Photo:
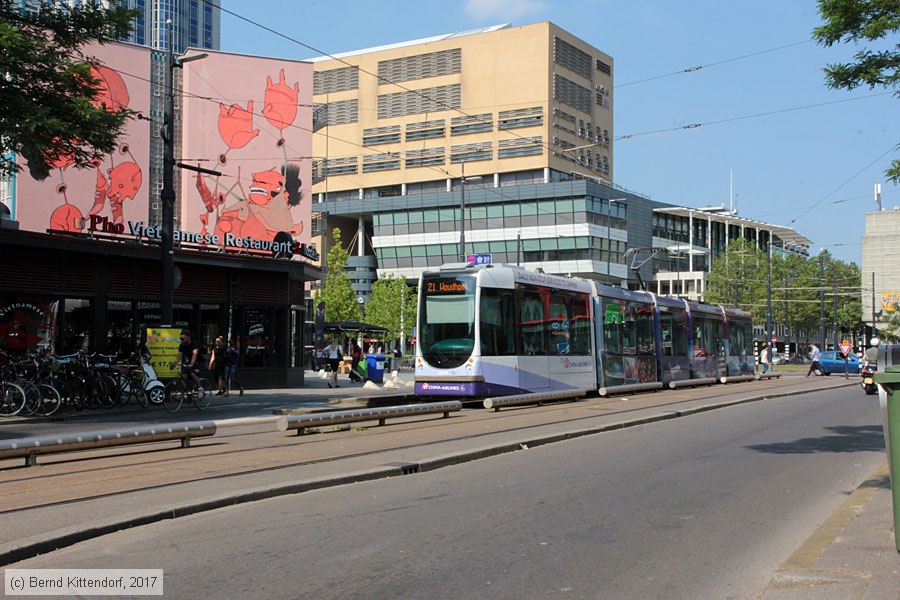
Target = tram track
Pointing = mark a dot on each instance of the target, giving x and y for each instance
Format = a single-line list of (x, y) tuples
[(416, 433)]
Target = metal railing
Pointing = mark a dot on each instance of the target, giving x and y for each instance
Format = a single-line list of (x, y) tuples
[(29, 448), (629, 388), (338, 417), (533, 398), (769, 375), (692, 382), (736, 378)]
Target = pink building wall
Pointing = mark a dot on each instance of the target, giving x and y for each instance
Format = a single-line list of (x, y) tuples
[(249, 118), (117, 187)]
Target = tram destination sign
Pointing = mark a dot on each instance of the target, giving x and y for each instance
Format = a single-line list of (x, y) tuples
[(446, 286)]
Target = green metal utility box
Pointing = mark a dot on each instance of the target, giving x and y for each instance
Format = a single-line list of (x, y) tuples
[(888, 378)]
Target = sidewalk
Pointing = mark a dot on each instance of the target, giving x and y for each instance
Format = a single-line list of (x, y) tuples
[(852, 555)]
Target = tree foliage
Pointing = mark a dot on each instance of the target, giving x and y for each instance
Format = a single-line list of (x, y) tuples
[(338, 295), (738, 277), (52, 108), (860, 21), (393, 305)]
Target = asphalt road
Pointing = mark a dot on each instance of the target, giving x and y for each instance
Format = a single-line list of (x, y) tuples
[(700, 507)]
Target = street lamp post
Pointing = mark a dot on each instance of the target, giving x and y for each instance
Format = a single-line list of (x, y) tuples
[(167, 194)]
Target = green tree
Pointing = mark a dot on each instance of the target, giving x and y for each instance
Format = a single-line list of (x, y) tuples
[(890, 325), (51, 102), (737, 276), (863, 21), (393, 305), (338, 295)]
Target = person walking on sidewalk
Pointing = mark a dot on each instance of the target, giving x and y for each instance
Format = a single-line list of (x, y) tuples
[(334, 354), (232, 358), (764, 358), (217, 364), (356, 355), (814, 355)]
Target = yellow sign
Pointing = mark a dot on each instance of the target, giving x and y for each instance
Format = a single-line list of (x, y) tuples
[(162, 343), (889, 301)]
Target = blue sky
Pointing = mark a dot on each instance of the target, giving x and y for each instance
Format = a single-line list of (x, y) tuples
[(801, 155)]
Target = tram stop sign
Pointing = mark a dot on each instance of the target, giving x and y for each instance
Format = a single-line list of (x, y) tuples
[(845, 347)]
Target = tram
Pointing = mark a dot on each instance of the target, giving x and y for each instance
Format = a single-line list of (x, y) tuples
[(496, 330)]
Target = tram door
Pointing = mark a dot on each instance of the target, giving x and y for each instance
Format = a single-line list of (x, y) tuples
[(533, 340)]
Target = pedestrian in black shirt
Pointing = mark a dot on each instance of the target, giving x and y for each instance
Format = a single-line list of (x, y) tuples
[(217, 365)]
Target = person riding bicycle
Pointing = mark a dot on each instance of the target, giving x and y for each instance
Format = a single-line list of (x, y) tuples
[(188, 352)]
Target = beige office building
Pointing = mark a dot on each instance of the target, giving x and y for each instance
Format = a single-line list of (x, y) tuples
[(515, 124), (880, 260)]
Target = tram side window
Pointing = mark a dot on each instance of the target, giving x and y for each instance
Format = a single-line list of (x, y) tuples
[(709, 337), (719, 336), (581, 326), (531, 324), (612, 328), (679, 339), (629, 331), (568, 325), (497, 324), (644, 327)]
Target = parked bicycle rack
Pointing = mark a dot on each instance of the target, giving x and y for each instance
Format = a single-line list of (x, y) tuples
[(29, 448), (337, 417)]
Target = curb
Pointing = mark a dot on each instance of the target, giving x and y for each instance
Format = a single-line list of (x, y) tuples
[(31, 547)]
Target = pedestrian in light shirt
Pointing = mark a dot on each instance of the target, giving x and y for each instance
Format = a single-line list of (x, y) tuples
[(814, 356)]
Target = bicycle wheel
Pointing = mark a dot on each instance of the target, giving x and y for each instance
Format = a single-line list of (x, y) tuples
[(174, 397), (32, 397), (112, 394), (50, 400), (66, 396), (12, 399), (120, 387), (136, 388), (202, 395)]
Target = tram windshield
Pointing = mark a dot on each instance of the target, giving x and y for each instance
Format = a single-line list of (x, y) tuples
[(447, 319)]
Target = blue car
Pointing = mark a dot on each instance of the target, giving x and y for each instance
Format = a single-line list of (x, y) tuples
[(833, 362)]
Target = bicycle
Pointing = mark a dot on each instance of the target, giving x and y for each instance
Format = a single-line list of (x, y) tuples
[(12, 399), (180, 390)]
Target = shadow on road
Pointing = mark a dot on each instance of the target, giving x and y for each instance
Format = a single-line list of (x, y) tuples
[(863, 438)]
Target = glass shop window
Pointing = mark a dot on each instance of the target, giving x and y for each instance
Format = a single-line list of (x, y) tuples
[(258, 338)]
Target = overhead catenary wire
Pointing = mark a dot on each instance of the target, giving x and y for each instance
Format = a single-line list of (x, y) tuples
[(712, 64)]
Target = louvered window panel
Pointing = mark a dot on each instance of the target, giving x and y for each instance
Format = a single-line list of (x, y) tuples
[(520, 147), (337, 113), (335, 80), (471, 124), (603, 67), (381, 135), (424, 130), (471, 152), (569, 92), (340, 166), (434, 99), (426, 157), (570, 57), (386, 161), (421, 66), (523, 117)]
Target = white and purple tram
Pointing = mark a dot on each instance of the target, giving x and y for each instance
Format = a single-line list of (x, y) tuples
[(494, 330)]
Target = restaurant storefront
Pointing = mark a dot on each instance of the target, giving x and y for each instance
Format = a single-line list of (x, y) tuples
[(66, 293)]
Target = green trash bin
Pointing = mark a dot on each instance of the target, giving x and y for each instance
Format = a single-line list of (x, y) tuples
[(888, 378)]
